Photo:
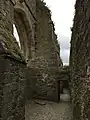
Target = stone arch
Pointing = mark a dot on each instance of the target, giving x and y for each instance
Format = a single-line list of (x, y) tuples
[(24, 28)]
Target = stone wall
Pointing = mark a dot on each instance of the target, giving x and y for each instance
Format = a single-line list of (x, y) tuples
[(45, 38), (31, 79), (17, 85), (6, 15), (80, 61), (12, 89), (64, 73), (47, 59), (46, 84), (29, 71), (15, 79)]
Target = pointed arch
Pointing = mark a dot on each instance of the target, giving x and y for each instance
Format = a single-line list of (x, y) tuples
[(24, 28)]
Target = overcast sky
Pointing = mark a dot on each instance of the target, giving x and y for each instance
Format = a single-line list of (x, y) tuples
[(62, 15)]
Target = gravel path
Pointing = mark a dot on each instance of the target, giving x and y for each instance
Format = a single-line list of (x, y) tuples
[(45, 110)]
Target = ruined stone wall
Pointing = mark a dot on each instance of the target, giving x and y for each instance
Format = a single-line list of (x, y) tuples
[(47, 45), (14, 78), (12, 89), (80, 61), (45, 41), (17, 85), (5, 10), (64, 73), (29, 71), (47, 54)]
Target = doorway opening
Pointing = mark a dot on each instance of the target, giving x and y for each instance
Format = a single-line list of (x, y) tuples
[(63, 90), (58, 90)]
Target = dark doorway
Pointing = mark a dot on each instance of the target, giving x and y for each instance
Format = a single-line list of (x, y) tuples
[(66, 85), (62, 88), (58, 90)]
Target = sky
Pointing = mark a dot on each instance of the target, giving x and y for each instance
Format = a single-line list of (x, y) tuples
[(62, 16)]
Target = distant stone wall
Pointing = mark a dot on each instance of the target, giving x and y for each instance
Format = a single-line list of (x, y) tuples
[(80, 61), (46, 84), (64, 73)]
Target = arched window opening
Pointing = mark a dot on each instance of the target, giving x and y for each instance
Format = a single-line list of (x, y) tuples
[(16, 35), (24, 32)]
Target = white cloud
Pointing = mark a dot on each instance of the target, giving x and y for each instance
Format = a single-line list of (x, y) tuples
[(64, 42), (62, 15), (65, 55), (65, 48)]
